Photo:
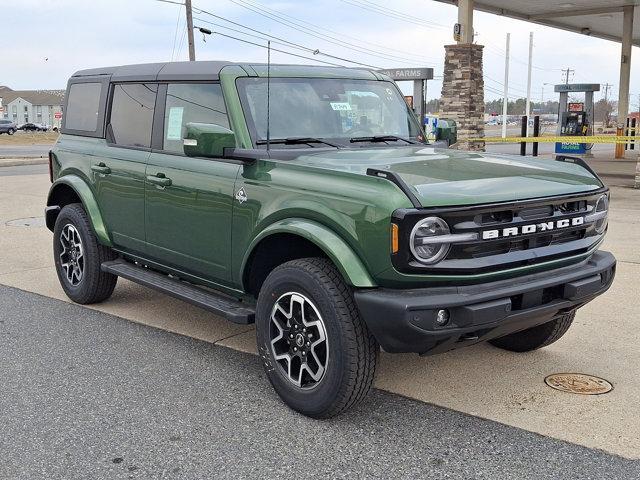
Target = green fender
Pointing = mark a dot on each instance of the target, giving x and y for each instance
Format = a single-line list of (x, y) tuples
[(88, 201), (343, 257)]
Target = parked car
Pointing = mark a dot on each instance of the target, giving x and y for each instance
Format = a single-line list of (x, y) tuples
[(307, 201), (7, 126), (32, 127)]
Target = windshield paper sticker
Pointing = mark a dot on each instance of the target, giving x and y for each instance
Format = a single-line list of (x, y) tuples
[(341, 106), (174, 128)]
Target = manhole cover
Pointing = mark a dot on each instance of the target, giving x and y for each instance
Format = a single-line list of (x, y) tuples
[(26, 222), (578, 383)]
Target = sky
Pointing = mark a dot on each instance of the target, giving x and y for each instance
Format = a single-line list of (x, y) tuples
[(51, 39)]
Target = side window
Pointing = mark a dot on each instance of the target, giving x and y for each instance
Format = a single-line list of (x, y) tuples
[(191, 102), (82, 107), (132, 109)]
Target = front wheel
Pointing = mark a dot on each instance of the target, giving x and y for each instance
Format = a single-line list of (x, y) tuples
[(316, 349), (536, 337), (11, 131), (78, 257)]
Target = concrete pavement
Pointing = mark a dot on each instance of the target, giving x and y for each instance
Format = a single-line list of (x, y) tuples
[(481, 380), (90, 395)]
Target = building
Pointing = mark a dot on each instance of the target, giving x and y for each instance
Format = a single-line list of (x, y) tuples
[(37, 106)]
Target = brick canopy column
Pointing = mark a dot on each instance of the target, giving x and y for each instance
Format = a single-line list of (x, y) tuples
[(463, 93)]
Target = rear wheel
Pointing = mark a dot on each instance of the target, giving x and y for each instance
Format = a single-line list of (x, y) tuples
[(536, 337), (316, 349), (78, 257)]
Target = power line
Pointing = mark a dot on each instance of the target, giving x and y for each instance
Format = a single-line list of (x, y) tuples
[(183, 37), (289, 44), (314, 33), (275, 49), (501, 53), (283, 41), (319, 29), (175, 35), (517, 90), (396, 14)]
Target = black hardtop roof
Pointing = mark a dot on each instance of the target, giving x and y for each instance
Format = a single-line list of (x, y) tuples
[(204, 70)]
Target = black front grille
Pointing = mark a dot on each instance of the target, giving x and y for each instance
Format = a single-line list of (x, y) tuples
[(508, 249), (487, 248)]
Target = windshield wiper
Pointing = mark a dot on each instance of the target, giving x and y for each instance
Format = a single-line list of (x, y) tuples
[(296, 141), (381, 138)]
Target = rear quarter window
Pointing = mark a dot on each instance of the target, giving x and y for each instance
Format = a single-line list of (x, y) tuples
[(83, 107)]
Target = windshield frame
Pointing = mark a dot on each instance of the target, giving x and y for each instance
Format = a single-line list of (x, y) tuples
[(344, 142)]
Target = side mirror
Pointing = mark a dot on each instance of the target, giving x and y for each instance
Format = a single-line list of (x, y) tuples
[(207, 140)]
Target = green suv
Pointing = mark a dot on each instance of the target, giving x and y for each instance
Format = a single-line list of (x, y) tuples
[(306, 200)]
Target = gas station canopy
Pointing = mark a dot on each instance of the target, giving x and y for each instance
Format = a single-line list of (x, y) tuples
[(596, 18)]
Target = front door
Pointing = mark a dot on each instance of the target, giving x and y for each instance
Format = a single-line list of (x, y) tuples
[(118, 164), (189, 200)]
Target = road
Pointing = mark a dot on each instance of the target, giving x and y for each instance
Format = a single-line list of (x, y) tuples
[(91, 395), (17, 151)]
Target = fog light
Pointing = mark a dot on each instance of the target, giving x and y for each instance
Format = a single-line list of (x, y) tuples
[(442, 317)]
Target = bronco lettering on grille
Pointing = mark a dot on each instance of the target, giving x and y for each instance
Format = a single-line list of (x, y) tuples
[(532, 228)]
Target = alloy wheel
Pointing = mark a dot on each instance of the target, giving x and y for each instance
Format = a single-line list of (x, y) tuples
[(299, 342), (72, 254)]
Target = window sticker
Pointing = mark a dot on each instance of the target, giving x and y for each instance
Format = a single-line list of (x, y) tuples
[(341, 106), (174, 127)]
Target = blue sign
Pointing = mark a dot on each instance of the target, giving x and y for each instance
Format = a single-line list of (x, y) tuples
[(574, 148)]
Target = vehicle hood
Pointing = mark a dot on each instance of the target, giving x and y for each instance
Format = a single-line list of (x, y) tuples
[(440, 177)]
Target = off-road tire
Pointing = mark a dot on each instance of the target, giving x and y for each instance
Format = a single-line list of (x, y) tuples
[(95, 285), (536, 337), (352, 350)]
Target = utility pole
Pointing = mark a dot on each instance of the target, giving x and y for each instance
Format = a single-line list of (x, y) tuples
[(607, 86), (528, 108), (565, 73), (505, 98), (192, 48)]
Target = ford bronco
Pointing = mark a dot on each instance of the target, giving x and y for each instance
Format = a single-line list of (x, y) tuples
[(306, 200)]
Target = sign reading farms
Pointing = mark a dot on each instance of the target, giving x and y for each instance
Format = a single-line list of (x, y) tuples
[(409, 73)]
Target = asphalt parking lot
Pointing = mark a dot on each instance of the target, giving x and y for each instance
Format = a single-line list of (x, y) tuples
[(478, 384), (91, 395)]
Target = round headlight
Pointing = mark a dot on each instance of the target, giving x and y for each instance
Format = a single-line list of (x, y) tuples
[(602, 205), (424, 242)]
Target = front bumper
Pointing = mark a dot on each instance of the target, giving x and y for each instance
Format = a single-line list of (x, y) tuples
[(404, 320)]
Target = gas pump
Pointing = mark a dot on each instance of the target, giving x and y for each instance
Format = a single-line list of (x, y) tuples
[(573, 123), (575, 118)]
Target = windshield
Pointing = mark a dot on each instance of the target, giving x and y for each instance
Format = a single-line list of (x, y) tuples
[(338, 110)]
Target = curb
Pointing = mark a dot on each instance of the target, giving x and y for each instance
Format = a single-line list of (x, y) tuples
[(14, 162)]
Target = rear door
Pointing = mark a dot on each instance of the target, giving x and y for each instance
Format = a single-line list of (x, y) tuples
[(119, 163), (189, 200)]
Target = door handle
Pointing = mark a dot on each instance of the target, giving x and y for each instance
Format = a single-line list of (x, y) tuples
[(159, 179), (101, 168)]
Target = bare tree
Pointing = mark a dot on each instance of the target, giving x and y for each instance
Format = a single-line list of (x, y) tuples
[(603, 110)]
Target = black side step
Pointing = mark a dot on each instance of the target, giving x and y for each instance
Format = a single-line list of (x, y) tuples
[(219, 304)]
